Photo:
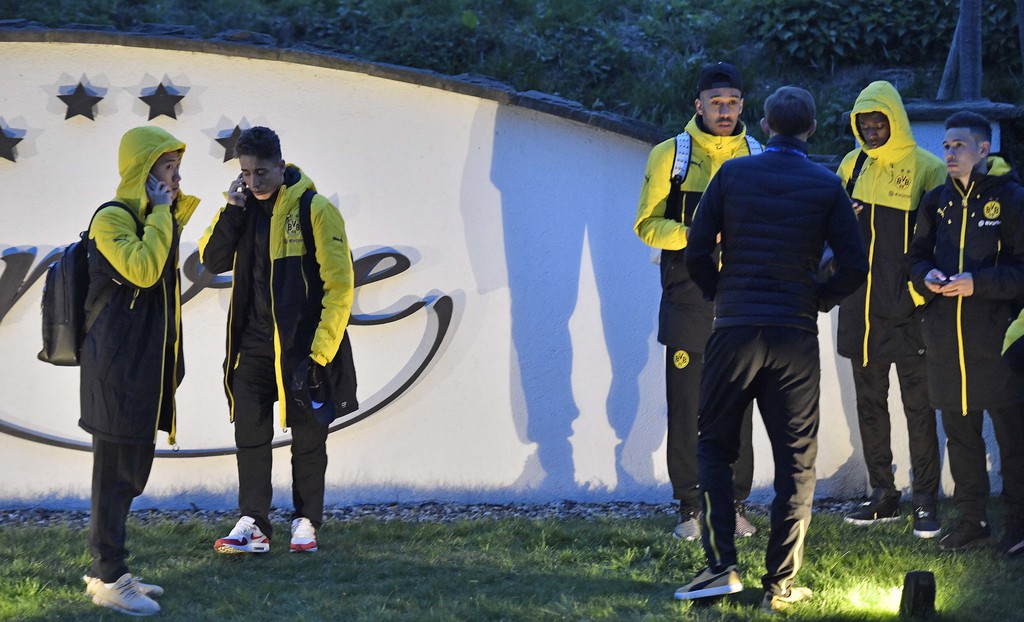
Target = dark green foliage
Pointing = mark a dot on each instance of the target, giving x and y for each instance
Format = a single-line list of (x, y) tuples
[(637, 58), (829, 33)]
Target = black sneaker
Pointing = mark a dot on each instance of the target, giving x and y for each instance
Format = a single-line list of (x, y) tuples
[(688, 528), (926, 522), (712, 583), (1012, 543), (744, 528), (965, 535), (879, 509)]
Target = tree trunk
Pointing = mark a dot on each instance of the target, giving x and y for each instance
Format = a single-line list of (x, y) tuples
[(1020, 27), (970, 49), (949, 74)]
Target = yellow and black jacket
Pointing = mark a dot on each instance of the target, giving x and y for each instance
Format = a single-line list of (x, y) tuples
[(878, 321), (684, 319), (980, 230), (131, 362), (306, 323)]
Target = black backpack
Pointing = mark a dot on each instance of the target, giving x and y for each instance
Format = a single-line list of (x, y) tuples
[(67, 285)]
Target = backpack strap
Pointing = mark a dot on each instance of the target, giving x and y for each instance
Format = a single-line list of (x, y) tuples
[(104, 298), (681, 166), (753, 145), (861, 157), (309, 263)]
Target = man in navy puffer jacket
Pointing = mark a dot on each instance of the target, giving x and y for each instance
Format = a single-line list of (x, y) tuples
[(774, 212)]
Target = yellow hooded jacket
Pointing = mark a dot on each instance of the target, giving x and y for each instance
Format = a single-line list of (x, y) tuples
[(131, 360), (877, 321), (685, 317)]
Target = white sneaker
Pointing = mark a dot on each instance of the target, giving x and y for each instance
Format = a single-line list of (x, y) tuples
[(122, 595), (246, 537), (153, 591), (303, 536)]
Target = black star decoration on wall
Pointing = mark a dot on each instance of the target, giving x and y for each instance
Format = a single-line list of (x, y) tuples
[(161, 101), (229, 142), (7, 144), (80, 102)]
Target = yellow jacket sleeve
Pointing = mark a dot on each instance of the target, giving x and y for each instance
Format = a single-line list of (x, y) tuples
[(651, 225), (335, 258), (139, 260)]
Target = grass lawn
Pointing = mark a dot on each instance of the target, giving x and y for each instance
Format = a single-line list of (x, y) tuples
[(506, 569)]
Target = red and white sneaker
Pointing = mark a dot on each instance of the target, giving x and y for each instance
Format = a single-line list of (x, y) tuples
[(303, 536), (246, 537)]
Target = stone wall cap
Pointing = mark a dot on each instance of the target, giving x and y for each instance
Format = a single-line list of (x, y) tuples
[(939, 110)]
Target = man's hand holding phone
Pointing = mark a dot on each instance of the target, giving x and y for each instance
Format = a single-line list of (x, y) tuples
[(957, 285), (237, 191), (157, 192)]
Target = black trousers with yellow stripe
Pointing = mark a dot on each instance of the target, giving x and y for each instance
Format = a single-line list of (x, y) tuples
[(780, 368), (682, 388)]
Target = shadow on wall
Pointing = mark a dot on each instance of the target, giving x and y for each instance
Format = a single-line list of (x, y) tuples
[(560, 186)]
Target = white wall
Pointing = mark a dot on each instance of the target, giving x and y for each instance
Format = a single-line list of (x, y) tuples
[(549, 382)]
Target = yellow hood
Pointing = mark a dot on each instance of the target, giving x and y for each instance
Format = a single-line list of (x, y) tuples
[(140, 148), (883, 97)]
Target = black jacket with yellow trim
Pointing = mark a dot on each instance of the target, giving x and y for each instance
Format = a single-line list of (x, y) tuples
[(878, 322), (131, 361), (305, 325), (983, 235), (684, 319)]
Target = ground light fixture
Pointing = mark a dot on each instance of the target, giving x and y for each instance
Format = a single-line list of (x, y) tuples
[(918, 601)]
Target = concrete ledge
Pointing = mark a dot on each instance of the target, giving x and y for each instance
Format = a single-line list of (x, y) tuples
[(938, 110)]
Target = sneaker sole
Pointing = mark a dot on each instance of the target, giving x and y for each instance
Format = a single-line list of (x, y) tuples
[(303, 548), (708, 592), (249, 548), (1016, 550), (115, 607), (872, 521), (926, 534)]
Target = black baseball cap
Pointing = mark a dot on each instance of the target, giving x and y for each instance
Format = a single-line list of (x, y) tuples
[(719, 75)]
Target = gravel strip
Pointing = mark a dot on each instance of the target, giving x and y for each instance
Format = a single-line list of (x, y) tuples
[(434, 512)]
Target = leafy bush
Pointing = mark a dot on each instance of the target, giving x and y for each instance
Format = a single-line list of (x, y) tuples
[(827, 33)]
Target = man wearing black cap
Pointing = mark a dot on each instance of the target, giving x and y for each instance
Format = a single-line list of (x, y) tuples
[(678, 171)]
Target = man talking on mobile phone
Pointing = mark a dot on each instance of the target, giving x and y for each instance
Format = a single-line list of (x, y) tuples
[(131, 361), (291, 296)]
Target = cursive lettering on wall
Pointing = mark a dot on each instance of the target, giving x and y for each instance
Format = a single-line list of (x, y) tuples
[(19, 276)]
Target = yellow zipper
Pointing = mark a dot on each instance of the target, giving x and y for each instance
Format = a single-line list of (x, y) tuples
[(867, 292), (231, 322), (960, 303), (282, 398), (172, 439), (163, 368)]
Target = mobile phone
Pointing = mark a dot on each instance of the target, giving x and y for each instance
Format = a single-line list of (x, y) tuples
[(935, 281)]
